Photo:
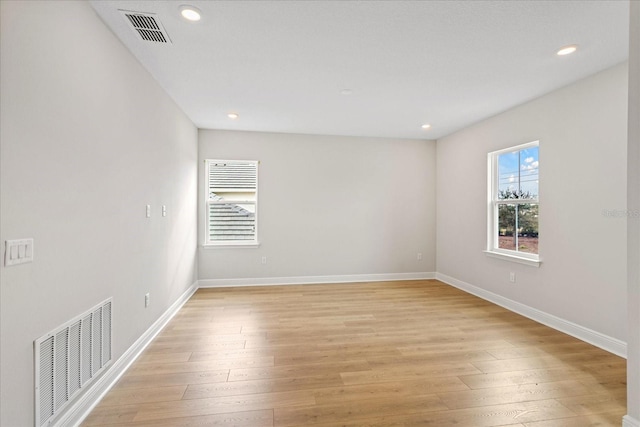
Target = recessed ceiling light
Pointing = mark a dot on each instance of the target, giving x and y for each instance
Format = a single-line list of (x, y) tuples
[(190, 13), (346, 92), (426, 126), (567, 50), (233, 115)]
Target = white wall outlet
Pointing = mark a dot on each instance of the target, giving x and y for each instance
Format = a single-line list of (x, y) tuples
[(512, 277), (148, 211), (419, 256), (264, 259), (164, 210), (147, 300), (18, 252)]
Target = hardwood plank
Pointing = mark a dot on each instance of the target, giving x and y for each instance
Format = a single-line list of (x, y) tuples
[(262, 418), (540, 362), (225, 404), (460, 346), (179, 347), (595, 404), (105, 415), (545, 350), (435, 358), (294, 371), (198, 356), (392, 390), (145, 381), (593, 420), (147, 357), (207, 338), (532, 376), (350, 410), (305, 357), (128, 396), (199, 366), (407, 372), (489, 416), (513, 394), (236, 388)]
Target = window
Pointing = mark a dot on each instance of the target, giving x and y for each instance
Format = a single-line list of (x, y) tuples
[(232, 202), (513, 203)]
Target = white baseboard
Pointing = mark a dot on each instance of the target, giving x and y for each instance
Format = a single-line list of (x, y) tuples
[(628, 421), (605, 342), (305, 280), (83, 406)]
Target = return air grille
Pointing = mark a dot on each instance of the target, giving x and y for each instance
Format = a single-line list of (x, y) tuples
[(68, 359), (146, 26)]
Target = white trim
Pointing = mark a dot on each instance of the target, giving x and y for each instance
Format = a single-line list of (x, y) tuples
[(629, 421), (85, 404), (514, 258), (305, 280), (605, 342), (515, 148), (232, 244)]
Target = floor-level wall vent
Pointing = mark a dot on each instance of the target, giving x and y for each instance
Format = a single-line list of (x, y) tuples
[(68, 358)]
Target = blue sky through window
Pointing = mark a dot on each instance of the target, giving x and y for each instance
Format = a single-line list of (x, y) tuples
[(518, 171)]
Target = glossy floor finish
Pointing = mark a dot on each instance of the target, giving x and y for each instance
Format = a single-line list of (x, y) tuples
[(410, 353)]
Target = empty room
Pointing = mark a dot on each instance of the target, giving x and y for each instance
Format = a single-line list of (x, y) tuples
[(320, 213)]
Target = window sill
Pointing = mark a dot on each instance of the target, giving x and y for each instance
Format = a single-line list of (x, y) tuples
[(514, 258), (238, 245)]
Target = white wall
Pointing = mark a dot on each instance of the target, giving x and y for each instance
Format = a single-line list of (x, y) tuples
[(633, 190), (87, 140), (582, 130), (329, 206)]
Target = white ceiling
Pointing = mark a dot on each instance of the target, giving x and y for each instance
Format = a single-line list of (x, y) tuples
[(283, 64)]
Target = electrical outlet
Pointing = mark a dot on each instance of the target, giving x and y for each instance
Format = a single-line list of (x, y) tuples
[(419, 256), (147, 300), (148, 211), (264, 259), (512, 277)]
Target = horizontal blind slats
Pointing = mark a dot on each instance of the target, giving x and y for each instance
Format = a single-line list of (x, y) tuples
[(231, 220), (230, 175)]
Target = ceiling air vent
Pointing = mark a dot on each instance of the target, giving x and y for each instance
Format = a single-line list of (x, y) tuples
[(146, 26)]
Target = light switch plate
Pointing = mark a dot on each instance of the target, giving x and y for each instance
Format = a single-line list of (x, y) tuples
[(18, 252)]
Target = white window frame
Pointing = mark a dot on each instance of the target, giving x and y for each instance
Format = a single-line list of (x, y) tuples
[(208, 243), (493, 203)]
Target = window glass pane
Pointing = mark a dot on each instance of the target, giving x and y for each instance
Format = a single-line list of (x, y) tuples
[(508, 167), (518, 227), (529, 172), (528, 228), (507, 236), (518, 174)]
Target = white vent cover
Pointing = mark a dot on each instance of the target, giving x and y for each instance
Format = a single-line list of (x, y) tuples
[(146, 26), (68, 358)]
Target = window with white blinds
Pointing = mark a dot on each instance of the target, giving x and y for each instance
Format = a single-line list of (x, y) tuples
[(232, 202)]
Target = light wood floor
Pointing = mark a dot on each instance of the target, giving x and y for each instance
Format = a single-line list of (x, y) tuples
[(411, 353)]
